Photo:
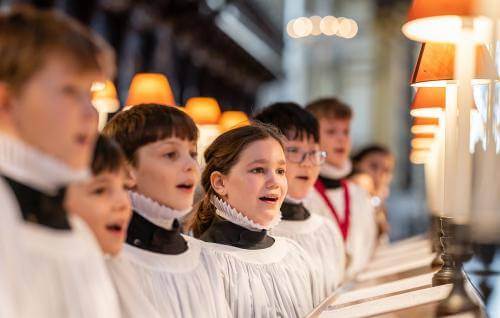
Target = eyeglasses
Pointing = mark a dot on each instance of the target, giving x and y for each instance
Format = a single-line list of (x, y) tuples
[(295, 155)]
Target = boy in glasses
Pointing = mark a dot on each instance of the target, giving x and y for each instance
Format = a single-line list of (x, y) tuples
[(341, 200), (316, 234)]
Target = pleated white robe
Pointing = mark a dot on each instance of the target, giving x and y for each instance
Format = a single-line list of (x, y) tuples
[(47, 273), (184, 285), (277, 281), (362, 234), (322, 241)]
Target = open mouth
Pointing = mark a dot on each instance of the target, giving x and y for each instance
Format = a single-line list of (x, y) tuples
[(185, 186), (269, 199), (303, 178), (115, 228), (339, 150)]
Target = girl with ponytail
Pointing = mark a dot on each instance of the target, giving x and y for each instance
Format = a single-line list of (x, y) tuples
[(245, 184)]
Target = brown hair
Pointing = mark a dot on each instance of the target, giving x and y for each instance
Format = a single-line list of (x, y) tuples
[(29, 36), (221, 156), (146, 123), (329, 108), (108, 156)]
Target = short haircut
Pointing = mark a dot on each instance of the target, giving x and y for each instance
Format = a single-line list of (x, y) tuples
[(292, 120), (370, 149), (29, 36), (108, 156), (146, 123), (330, 108)]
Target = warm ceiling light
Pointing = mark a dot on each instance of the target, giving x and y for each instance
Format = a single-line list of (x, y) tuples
[(329, 25), (315, 20), (232, 119), (444, 20), (150, 88), (436, 66), (203, 110), (289, 29), (302, 27), (428, 102)]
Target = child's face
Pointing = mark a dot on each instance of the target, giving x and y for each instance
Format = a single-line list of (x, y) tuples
[(53, 112), (380, 167), (103, 203), (301, 170), (167, 172), (334, 135), (256, 185)]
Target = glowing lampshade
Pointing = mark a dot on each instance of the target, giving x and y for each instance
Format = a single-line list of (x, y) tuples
[(422, 141), (436, 65), (150, 88), (232, 119), (443, 20), (104, 97), (419, 156), (203, 110), (428, 102), (425, 125)]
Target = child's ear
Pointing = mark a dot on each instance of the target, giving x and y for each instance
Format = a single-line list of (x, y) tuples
[(218, 183), (130, 176)]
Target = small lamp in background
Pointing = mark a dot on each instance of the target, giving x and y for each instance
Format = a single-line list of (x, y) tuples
[(232, 119), (436, 65), (422, 141), (150, 88), (428, 102), (203, 110), (105, 100), (425, 125), (443, 20), (419, 156)]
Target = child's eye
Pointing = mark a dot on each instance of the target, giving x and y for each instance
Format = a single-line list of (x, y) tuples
[(99, 191), (292, 150), (69, 90), (257, 170), (280, 171), (171, 155), (194, 154)]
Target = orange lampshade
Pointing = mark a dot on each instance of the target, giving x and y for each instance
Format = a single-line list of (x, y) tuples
[(232, 119), (150, 88), (422, 141), (425, 125), (203, 110), (428, 102), (436, 65), (419, 156), (442, 20), (104, 97)]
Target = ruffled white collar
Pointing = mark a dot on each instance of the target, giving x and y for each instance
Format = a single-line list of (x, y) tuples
[(224, 210), (332, 172), (154, 212), (23, 163)]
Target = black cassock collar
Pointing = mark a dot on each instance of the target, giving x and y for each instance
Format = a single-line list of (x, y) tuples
[(330, 183), (40, 208), (221, 231), (148, 236), (294, 212)]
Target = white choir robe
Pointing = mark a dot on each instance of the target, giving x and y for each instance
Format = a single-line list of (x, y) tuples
[(57, 273), (322, 241), (47, 273), (185, 285), (362, 234), (133, 302), (277, 281)]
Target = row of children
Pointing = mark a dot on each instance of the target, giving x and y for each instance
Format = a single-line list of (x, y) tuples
[(268, 239)]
